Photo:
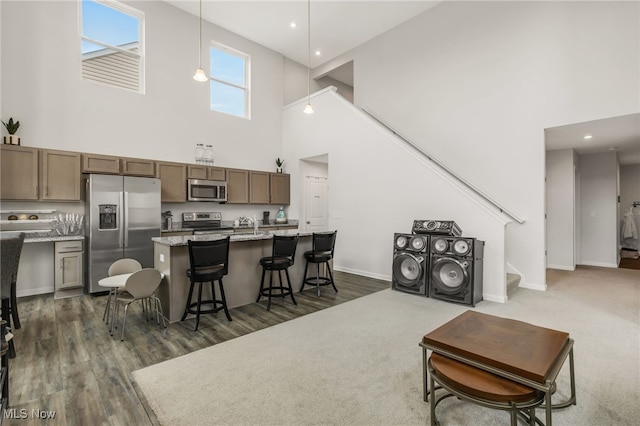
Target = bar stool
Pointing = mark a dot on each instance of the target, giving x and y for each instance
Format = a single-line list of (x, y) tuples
[(322, 252), (10, 247), (209, 261), (282, 257), (18, 241)]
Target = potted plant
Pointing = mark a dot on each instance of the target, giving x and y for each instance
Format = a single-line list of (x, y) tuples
[(12, 127), (279, 164)]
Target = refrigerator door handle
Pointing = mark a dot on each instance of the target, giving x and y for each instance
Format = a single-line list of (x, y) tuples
[(126, 219), (120, 219)]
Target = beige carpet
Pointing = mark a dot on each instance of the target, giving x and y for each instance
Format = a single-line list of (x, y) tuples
[(359, 363)]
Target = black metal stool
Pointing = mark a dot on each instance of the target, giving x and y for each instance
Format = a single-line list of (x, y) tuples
[(209, 262), (11, 246), (282, 256), (322, 252)]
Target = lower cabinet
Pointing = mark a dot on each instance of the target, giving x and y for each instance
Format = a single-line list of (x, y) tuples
[(68, 265)]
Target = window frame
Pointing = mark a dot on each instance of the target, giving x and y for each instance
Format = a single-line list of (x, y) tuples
[(247, 78), (128, 10)]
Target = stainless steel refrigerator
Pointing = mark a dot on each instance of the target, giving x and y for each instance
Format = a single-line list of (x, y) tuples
[(122, 215)]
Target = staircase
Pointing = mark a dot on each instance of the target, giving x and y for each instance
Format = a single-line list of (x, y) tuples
[(513, 281)]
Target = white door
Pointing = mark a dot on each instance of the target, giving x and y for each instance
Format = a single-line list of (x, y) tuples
[(316, 217)]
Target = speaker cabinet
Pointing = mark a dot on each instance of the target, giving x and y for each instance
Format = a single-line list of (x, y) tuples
[(455, 269), (410, 263), (436, 227)]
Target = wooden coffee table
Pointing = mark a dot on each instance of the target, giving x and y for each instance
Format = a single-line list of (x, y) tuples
[(522, 352)]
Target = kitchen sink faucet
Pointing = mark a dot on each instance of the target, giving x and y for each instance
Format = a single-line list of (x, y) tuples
[(254, 221)]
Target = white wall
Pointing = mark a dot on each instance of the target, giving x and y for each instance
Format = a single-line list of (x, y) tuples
[(42, 87), (598, 209), (560, 209), (295, 81), (629, 192), (378, 187), (476, 84)]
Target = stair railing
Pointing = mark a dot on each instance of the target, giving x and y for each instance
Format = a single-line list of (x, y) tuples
[(443, 167)]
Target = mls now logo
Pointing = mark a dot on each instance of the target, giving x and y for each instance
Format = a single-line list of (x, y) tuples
[(23, 413)]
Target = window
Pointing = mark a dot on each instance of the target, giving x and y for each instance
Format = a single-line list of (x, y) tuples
[(229, 77), (112, 44)]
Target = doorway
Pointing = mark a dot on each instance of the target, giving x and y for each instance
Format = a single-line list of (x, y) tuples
[(316, 212)]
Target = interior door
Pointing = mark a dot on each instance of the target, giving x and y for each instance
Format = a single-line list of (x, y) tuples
[(316, 204)]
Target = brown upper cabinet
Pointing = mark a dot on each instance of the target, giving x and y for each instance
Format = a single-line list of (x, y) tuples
[(43, 174), (173, 180), (205, 172), (34, 174), (95, 163), (280, 189), (59, 175), (259, 192), (237, 186), (138, 167), (19, 174)]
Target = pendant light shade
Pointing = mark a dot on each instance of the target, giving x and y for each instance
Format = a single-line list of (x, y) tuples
[(308, 109), (200, 75)]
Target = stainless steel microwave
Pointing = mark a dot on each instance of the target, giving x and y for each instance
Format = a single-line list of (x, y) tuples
[(206, 190)]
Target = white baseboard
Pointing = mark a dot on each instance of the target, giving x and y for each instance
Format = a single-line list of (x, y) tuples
[(561, 267), (34, 291), (534, 286), (601, 264), (362, 273), (494, 298)]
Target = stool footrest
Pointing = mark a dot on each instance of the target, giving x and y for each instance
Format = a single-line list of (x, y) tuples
[(280, 291), (319, 281), (218, 306)]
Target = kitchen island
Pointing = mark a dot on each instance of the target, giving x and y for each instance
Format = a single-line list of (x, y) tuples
[(241, 285)]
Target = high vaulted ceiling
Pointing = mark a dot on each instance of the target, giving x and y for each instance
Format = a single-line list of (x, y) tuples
[(336, 26)]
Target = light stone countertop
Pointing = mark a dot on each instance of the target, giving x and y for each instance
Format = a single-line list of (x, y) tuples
[(44, 237), (52, 238), (262, 235)]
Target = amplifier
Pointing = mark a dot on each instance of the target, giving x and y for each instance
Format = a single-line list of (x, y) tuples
[(439, 227)]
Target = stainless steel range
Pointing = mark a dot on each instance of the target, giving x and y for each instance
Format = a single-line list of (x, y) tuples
[(205, 223)]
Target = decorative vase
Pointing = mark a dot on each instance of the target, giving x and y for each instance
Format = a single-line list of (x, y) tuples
[(281, 217), (12, 140), (278, 169)]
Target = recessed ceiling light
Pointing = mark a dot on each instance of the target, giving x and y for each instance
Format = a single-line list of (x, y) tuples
[(587, 137), (293, 25), (317, 53), (613, 148)]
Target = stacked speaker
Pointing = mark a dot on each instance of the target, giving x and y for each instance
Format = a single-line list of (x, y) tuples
[(436, 261)]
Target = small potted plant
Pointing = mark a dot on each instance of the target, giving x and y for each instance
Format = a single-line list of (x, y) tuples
[(279, 164), (12, 127)]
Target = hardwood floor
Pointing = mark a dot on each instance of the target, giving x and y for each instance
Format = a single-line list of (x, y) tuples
[(68, 363)]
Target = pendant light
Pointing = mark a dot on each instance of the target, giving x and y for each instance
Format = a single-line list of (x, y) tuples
[(200, 75), (308, 109)]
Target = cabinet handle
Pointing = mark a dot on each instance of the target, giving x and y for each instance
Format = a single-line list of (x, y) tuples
[(46, 190)]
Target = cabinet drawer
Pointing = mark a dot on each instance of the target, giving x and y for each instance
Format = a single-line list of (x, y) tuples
[(68, 246)]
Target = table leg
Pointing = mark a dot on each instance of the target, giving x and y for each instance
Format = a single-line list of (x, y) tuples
[(425, 386)]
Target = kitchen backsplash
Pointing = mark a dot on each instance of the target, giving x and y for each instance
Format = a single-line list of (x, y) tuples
[(230, 212)]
